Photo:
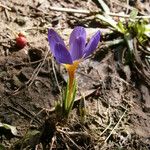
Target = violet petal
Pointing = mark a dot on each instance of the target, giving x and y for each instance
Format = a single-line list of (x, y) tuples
[(54, 38), (61, 54), (77, 32), (76, 48), (91, 46)]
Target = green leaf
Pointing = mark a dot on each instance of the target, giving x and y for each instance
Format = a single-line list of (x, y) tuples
[(73, 96), (147, 30), (31, 134), (129, 41), (68, 101), (121, 27), (65, 97), (114, 42), (30, 139), (2, 147), (104, 6), (110, 21), (82, 109), (11, 129), (133, 14)]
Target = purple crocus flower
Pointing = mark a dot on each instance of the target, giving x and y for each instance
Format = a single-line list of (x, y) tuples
[(78, 51), (78, 48)]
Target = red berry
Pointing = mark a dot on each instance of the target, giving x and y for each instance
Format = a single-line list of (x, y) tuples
[(21, 41)]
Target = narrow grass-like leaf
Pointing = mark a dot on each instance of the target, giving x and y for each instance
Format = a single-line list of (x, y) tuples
[(82, 109), (65, 98), (129, 41), (121, 27), (113, 42), (72, 97), (110, 21), (134, 14), (104, 6), (147, 30)]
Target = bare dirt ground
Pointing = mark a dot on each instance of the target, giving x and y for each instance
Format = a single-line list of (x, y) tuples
[(117, 103)]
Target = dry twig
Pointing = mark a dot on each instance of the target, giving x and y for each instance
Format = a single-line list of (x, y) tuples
[(115, 126), (4, 6), (37, 70), (87, 12)]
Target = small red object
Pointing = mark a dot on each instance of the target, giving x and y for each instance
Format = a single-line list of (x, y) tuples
[(21, 41)]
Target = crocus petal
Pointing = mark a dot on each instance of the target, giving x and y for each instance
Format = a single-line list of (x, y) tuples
[(76, 48), (77, 32), (54, 38), (61, 54), (91, 46)]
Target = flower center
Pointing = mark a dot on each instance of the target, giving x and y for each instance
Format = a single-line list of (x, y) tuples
[(71, 71), (72, 67)]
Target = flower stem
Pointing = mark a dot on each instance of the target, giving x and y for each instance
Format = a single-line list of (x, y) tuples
[(71, 82)]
